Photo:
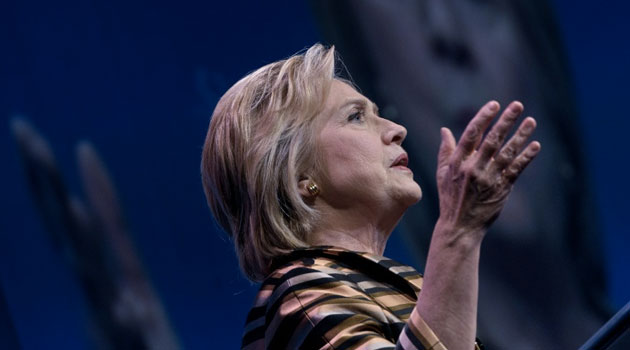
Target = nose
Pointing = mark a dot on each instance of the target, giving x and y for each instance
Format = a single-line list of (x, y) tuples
[(393, 133), (445, 37)]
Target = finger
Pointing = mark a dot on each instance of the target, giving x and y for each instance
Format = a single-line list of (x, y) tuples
[(507, 154), (471, 137), (497, 134), (515, 169), (447, 146)]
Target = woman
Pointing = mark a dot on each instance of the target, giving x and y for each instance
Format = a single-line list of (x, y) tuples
[(301, 171)]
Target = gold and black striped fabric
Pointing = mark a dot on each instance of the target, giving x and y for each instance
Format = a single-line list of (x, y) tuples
[(331, 298)]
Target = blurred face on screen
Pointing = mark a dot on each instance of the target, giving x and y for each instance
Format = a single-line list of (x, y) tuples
[(452, 56), (432, 63)]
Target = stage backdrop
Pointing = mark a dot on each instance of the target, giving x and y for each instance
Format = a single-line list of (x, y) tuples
[(134, 84)]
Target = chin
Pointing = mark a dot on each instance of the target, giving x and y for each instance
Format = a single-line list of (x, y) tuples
[(412, 196), (417, 195)]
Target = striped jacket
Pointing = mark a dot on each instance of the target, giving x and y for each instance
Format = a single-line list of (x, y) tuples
[(330, 298)]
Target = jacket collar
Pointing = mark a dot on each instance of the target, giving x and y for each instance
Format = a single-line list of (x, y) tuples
[(404, 277)]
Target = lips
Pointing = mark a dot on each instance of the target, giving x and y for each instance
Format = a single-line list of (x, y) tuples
[(401, 160)]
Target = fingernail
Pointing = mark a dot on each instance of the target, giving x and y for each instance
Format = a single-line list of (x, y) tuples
[(493, 106), (517, 106), (529, 124), (536, 146)]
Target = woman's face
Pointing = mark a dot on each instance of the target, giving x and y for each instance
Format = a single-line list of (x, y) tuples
[(364, 164)]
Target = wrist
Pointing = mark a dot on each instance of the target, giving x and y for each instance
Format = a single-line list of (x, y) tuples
[(455, 235)]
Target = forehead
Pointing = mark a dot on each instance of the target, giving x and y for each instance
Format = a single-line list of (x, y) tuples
[(341, 90), (339, 95)]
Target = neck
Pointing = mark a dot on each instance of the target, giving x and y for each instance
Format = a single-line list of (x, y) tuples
[(354, 232), (350, 240)]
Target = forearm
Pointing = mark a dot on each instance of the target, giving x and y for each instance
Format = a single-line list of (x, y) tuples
[(448, 300), (475, 177)]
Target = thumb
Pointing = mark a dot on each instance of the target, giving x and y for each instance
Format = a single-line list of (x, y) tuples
[(447, 146)]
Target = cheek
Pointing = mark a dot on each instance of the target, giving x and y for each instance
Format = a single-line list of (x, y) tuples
[(352, 160)]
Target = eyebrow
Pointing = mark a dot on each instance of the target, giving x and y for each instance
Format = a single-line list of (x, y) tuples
[(362, 102)]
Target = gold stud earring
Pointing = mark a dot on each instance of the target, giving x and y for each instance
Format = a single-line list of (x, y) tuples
[(312, 189)]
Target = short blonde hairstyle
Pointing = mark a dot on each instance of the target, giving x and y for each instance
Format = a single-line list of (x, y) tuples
[(261, 140)]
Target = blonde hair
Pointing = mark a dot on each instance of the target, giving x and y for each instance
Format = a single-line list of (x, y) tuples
[(261, 140)]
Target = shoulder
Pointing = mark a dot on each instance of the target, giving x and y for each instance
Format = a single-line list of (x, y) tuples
[(306, 279), (302, 300)]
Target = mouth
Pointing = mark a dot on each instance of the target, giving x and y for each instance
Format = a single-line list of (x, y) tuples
[(401, 161)]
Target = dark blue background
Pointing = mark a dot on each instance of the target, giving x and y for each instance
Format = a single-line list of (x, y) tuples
[(140, 79)]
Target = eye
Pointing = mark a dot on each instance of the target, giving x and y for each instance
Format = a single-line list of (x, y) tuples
[(356, 116)]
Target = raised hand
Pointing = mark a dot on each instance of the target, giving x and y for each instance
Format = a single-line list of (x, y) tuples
[(125, 307), (475, 176)]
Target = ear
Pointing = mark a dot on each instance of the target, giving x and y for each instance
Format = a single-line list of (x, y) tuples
[(302, 187)]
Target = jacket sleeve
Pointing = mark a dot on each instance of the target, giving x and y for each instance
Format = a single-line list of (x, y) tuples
[(314, 310)]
